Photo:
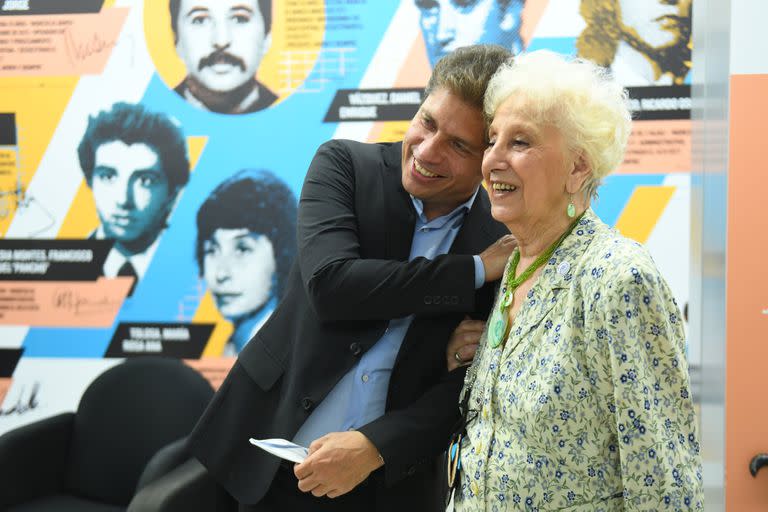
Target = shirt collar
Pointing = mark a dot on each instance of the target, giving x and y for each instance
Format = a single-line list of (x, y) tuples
[(115, 259), (439, 222)]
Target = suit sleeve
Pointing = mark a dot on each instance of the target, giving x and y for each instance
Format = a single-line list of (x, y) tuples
[(340, 284), (653, 410)]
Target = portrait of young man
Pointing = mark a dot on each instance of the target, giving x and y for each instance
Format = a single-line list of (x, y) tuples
[(396, 247), (222, 43), (644, 43), (135, 163), (450, 24)]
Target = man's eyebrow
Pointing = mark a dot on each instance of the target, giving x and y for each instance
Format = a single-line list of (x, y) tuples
[(474, 148), (241, 7), (155, 168)]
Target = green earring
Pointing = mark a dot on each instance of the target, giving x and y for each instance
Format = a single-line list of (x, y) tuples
[(571, 209)]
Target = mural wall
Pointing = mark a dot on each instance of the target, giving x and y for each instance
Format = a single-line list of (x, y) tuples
[(152, 153)]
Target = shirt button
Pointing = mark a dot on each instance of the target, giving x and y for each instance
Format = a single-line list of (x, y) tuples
[(307, 403), (365, 377)]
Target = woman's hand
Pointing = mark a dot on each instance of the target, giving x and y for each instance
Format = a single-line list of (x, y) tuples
[(463, 343)]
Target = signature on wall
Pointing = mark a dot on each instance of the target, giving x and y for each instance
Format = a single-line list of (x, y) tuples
[(24, 403)]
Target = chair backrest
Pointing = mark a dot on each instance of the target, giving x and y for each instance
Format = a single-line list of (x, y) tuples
[(126, 415)]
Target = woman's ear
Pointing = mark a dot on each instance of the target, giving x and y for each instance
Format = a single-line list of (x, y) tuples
[(579, 174)]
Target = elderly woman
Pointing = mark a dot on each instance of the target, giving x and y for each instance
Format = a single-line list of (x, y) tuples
[(578, 398)]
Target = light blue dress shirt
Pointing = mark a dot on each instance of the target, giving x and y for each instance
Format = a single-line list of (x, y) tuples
[(361, 395)]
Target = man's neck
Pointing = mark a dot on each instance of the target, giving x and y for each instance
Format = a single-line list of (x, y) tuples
[(229, 102), (434, 209), (130, 247)]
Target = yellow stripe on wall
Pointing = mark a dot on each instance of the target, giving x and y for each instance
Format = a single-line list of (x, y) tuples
[(207, 313), (195, 146), (643, 210), (38, 104), (81, 219)]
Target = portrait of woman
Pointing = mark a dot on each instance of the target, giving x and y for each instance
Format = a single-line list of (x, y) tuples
[(579, 397), (644, 43), (246, 243)]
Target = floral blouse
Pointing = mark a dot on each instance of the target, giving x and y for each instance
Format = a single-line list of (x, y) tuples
[(586, 406)]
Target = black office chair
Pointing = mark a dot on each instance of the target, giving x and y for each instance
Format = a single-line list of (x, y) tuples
[(100, 458)]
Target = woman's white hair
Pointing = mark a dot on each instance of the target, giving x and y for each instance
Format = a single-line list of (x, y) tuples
[(579, 98)]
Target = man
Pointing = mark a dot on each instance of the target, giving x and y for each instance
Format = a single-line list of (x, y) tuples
[(222, 43), (352, 360), (644, 43), (135, 163), (450, 24)]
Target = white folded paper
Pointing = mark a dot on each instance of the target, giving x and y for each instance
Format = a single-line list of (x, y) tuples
[(282, 448)]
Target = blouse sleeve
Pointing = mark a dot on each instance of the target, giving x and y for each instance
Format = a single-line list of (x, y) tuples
[(656, 426)]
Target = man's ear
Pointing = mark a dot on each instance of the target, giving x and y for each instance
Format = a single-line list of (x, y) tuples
[(267, 44), (173, 199)]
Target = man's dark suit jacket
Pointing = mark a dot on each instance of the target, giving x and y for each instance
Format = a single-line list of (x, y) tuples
[(352, 276)]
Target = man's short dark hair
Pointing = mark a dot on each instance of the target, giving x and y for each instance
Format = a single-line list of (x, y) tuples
[(260, 202), (265, 8), (134, 124), (466, 71)]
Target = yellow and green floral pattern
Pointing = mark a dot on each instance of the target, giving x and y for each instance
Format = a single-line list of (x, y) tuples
[(586, 406)]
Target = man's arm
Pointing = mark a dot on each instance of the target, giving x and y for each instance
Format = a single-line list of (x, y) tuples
[(340, 284), (400, 440)]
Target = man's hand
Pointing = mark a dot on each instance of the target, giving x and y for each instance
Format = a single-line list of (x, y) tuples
[(337, 463), (495, 257), (463, 343)]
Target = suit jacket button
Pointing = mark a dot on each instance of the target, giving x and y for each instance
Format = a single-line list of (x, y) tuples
[(307, 404), (411, 470), (356, 349)]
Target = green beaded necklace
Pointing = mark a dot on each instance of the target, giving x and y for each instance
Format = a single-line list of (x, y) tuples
[(499, 319)]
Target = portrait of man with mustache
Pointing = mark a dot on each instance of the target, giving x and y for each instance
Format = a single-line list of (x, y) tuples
[(222, 43)]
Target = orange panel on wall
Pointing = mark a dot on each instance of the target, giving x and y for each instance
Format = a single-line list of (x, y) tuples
[(746, 296)]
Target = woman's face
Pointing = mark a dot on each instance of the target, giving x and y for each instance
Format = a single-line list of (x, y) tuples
[(525, 169), (239, 269), (655, 22)]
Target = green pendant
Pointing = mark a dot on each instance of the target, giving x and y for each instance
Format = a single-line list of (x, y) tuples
[(498, 329), (508, 300), (498, 323)]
